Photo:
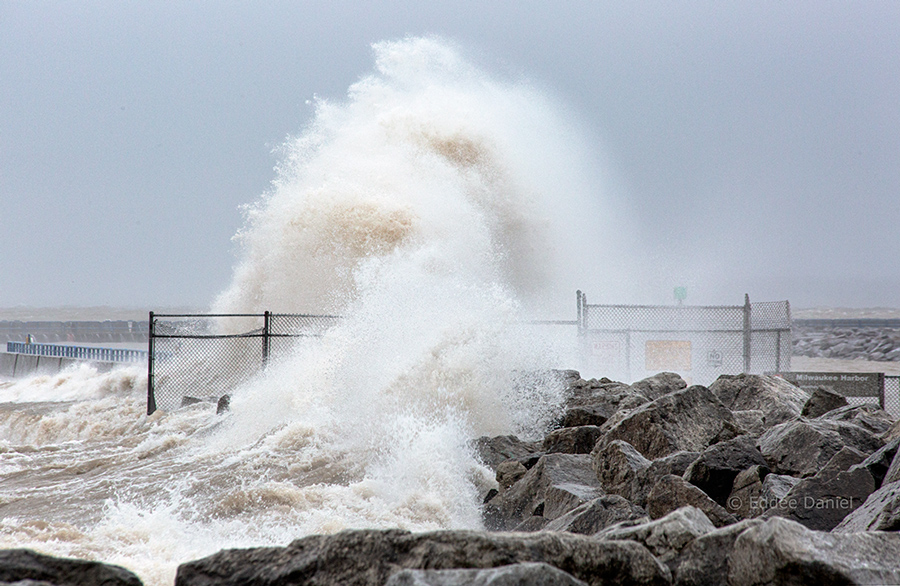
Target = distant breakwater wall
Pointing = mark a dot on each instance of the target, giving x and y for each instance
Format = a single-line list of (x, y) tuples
[(93, 332), (876, 340), (22, 365)]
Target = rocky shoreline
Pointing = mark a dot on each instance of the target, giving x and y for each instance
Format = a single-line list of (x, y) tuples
[(749, 481), (847, 343)]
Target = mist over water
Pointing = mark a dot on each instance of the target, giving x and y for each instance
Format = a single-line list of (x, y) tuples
[(429, 210)]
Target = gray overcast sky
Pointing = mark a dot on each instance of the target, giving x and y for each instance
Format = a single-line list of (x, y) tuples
[(755, 146)]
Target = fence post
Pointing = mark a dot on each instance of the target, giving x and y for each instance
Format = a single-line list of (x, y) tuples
[(265, 344), (580, 309), (746, 333), (151, 392)]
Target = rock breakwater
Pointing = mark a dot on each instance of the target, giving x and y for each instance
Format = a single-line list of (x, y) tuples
[(881, 344), (651, 483)]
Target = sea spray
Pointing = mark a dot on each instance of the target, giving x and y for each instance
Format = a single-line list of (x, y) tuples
[(424, 210)]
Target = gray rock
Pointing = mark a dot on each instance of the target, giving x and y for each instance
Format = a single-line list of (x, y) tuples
[(676, 464), (596, 515), (778, 399), (869, 417), (594, 402), (822, 501), (673, 492), (880, 512), (775, 488), (752, 421), (801, 448), (525, 574), (494, 450), (665, 537), (510, 472), (691, 419), (654, 387), (326, 560), (572, 440), (821, 402), (556, 484), (704, 561), (746, 493), (715, 469), (780, 551), (25, 565), (879, 463), (618, 466)]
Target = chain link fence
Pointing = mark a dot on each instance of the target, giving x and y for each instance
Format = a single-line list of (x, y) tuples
[(630, 342), (205, 356)]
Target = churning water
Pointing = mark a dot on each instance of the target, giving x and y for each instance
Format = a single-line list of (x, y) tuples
[(426, 208)]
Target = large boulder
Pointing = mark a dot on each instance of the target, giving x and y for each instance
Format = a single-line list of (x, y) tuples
[(778, 399), (879, 463), (597, 514), (24, 566), (704, 561), (594, 402), (369, 557), (654, 387), (494, 450), (880, 512), (673, 492), (553, 486), (715, 469), (802, 447), (690, 419), (572, 440), (821, 401), (618, 466), (822, 501), (867, 416), (780, 551), (664, 537), (525, 574), (746, 493), (676, 464)]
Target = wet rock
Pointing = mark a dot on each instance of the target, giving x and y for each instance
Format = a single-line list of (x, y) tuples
[(780, 551), (556, 484), (715, 469), (879, 463), (746, 493), (752, 421), (704, 561), (510, 472), (326, 560), (494, 450), (597, 514), (822, 501), (690, 419), (594, 402), (869, 417), (618, 466), (676, 464), (656, 386), (778, 399), (25, 565), (526, 574), (572, 440), (664, 537), (880, 512), (801, 448), (673, 492), (821, 401)]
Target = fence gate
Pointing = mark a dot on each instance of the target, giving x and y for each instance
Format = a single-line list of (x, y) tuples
[(208, 355), (630, 342)]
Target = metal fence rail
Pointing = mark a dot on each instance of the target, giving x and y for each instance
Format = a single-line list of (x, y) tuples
[(208, 355), (698, 342), (77, 352)]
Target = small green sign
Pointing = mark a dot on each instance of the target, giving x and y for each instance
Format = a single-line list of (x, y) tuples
[(680, 293)]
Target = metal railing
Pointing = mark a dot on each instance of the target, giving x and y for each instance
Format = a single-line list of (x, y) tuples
[(698, 342), (208, 355), (87, 353)]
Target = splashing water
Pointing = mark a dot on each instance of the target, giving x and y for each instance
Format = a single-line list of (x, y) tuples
[(421, 209)]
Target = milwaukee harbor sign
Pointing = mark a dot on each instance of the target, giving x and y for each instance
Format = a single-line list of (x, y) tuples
[(848, 384)]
